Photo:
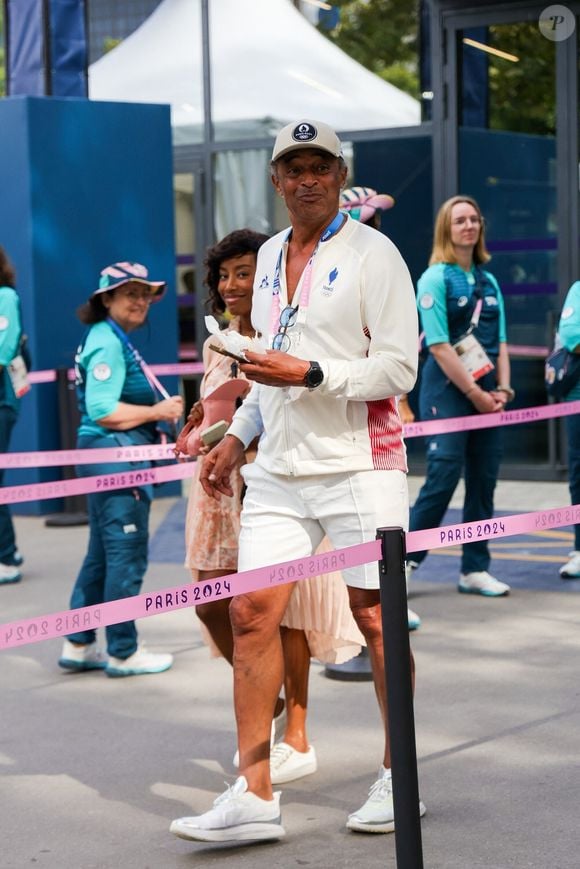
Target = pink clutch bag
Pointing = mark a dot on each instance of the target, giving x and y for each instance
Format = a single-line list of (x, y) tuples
[(220, 405)]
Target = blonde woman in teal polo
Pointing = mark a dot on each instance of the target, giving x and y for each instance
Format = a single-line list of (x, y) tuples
[(457, 297)]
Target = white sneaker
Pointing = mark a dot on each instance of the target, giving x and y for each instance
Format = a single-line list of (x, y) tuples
[(276, 734), (17, 557), (413, 620), (139, 663), (377, 814), (481, 582), (410, 566), (412, 617), (85, 657), (288, 764), (237, 816), (571, 570), (9, 573)]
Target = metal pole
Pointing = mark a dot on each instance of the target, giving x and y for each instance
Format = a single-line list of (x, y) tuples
[(208, 133), (75, 506), (400, 698)]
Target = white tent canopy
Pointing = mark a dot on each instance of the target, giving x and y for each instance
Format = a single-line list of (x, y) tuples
[(269, 66)]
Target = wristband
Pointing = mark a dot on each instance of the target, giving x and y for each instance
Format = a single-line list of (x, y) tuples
[(511, 394)]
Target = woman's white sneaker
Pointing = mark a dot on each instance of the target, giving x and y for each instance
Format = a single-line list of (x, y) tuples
[(276, 733), (237, 816), (288, 764), (481, 582)]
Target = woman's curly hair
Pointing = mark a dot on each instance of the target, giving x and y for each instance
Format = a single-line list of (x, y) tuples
[(237, 243)]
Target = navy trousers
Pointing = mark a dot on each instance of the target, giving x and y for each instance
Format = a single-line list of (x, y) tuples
[(115, 563), (7, 539)]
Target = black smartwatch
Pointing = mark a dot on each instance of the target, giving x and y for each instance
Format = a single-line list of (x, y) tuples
[(314, 376)]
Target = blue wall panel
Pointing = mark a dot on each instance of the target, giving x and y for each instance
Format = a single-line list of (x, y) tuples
[(83, 184)]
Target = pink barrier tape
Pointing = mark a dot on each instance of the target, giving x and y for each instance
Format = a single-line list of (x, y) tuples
[(164, 600), (490, 529), (41, 377), (59, 458), (174, 368), (527, 350), (156, 452), (99, 483), (87, 618), (179, 368), (491, 420)]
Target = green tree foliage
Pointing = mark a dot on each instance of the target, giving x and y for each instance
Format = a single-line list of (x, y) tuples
[(383, 36), (522, 95)]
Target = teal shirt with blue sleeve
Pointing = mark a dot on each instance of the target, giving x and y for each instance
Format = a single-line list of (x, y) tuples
[(569, 329), (432, 300), (10, 329), (108, 373)]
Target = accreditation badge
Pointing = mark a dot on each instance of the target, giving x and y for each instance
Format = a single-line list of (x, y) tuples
[(473, 357)]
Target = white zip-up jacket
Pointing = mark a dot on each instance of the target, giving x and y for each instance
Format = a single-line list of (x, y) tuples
[(360, 325)]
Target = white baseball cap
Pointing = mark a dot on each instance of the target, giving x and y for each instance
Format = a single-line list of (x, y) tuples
[(306, 134)]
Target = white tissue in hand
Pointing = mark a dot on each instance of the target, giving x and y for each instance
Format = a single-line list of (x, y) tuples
[(233, 341)]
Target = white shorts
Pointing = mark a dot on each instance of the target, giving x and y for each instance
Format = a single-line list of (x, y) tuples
[(287, 517)]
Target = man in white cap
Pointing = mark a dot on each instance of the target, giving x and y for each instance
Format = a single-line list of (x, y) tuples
[(335, 302)]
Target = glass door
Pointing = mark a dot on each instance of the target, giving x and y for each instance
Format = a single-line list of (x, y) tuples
[(506, 87)]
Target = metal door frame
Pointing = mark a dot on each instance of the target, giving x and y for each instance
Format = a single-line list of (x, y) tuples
[(448, 18)]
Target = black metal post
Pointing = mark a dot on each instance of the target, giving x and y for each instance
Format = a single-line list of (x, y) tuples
[(397, 650), (75, 506)]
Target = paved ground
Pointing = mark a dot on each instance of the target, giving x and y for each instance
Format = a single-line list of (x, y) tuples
[(92, 769)]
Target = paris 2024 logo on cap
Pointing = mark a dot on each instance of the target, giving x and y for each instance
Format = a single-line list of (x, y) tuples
[(304, 133)]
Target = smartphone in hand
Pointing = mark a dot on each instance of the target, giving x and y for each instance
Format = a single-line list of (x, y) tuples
[(214, 433), (223, 352)]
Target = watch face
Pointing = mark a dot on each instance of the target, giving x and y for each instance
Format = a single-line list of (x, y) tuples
[(314, 376)]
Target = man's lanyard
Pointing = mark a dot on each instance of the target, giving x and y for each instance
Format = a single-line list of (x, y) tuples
[(330, 230), (150, 377)]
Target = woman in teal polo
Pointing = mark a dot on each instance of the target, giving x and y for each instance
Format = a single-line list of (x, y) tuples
[(118, 407), (467, 371)]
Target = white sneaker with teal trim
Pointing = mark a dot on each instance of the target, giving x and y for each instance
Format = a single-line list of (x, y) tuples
[(481, 582), (237, 816), (571, 570), (139, 663), (377, 815), (87, 656), (9, 573), (413, 620)]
